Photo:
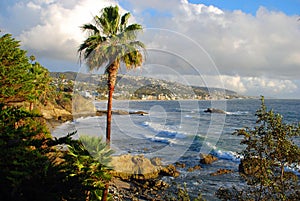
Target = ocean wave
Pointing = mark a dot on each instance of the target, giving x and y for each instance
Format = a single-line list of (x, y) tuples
[(163, 133), (164, 130), (162, 140), (227, 155), (224, 154), (295, 169), (237, 113)]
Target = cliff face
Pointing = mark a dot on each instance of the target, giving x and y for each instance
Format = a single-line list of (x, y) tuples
[(55, 112)]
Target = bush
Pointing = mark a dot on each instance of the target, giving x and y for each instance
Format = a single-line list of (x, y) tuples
[(32, 167), (269, 151)]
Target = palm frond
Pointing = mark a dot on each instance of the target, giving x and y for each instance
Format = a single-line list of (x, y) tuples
[(137, 44), (111, 39), (134, 27), (133, 59), (110, 20), (90, 27), (124, 21)]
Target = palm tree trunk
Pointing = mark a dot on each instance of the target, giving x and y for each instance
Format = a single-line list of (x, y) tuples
[(112, 76), (109, 113)]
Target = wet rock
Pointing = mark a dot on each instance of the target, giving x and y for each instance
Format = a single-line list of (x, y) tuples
[(221, 171), (207, 158), (119, 112), (192, 169), (214, 110), (116, 112), (156, 161), (180, 165), (161, 184), (142, 113), (169, 170)]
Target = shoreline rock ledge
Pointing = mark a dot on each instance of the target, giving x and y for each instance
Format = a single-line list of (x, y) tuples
[(214, 110), (139, 167)]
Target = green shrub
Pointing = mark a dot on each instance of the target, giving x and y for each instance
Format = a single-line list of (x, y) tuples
[(269, 151), (32, 167)]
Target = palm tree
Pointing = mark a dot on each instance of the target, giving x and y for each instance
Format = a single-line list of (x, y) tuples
[(109, 43)]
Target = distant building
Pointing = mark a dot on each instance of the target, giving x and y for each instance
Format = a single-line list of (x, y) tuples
[(86, 94)]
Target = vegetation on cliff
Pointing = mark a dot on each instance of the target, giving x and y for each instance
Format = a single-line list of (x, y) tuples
[(33, 165)]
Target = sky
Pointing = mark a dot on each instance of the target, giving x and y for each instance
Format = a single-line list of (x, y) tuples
[(251, 47)]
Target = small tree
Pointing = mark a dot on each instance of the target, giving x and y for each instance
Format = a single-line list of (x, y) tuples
[(20, 80), (269, 151)]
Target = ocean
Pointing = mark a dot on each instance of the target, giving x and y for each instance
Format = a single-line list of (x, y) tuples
[(178, 131)]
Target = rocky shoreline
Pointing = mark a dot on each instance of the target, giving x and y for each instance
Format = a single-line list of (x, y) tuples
[(140, 178), (55, 117), (136, 177)]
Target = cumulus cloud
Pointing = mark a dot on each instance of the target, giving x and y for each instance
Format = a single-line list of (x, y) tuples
[(241, 43), (253, 54), (53, 27)]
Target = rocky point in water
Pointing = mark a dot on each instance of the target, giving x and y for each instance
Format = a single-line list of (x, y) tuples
[(214, 110)]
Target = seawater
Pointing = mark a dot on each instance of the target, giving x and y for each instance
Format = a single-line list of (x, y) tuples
[(178, 131)]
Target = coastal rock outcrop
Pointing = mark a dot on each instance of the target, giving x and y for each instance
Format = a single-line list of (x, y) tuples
[(221, 171), (207, 158), (140, 168), (120, 112), (214, 110), (192, 169), (51, 111), (169, 170), (142, 113)]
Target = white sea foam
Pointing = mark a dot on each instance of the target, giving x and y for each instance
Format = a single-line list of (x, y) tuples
[(168, 131), (227, 155), (223, 154), (238, 113)]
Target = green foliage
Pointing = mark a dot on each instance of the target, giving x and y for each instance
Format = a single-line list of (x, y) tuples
[(110, 40), (90, 158), (269, 151), (23, 146), (20, 80), (32, 167), (97, 149), (183, 195)]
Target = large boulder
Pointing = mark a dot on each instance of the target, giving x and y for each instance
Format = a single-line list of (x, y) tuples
[(207, 158), (214, 110), (221, 171), (169, 170), (54, 112), (139, 167)]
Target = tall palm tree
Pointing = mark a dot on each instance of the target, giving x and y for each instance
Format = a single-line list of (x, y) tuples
[(109, 43)]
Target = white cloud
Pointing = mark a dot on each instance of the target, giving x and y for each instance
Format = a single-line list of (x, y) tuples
[(248, 85), (55, 33), (239, 43), (251, 54)]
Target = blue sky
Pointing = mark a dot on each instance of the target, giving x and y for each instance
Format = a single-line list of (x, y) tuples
[(254, 51), (290, 7)]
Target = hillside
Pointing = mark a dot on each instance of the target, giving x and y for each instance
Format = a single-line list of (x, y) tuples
[(145, 88)]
